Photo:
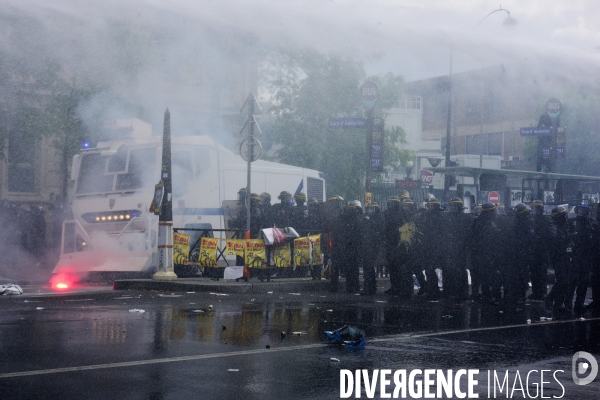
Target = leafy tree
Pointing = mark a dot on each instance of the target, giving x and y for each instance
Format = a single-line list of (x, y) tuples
[(307, 89)]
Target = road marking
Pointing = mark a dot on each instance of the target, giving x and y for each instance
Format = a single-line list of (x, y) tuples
[(260, 351), (158, 361)]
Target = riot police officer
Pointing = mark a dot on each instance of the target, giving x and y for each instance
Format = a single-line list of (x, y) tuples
[(266, 210), (410, 253), (433, 240), (584, 233), (392, 222), (314, 225), (256, 220), (347, 241), (372, 246), (522, 243), (484, 242), (561, 251), (299, 214), (543, 232), (282, 210), (455, 277)]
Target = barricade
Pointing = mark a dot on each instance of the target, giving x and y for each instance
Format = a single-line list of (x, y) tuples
[(278, 253)]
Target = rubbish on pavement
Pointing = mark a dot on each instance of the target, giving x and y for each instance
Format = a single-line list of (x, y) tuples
[(529, 321), (348, 336), (210, 307), (334, 359), (137, 310), (197, 311), (295, 294), (233, 370), (297, 333), (10, 289), (40, 308), (234, 272)]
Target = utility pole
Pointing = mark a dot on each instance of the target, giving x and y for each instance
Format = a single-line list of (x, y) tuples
[(165, 217)]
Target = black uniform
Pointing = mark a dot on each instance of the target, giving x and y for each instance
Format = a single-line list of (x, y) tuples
[(561, 251), (347, 240), (392, 222), (372, 245), (434, 227), (455, 277), (585, 248), (543, 233), (522, 240), (483, 243)]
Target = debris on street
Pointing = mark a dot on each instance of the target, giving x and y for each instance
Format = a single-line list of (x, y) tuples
[(10, 289)]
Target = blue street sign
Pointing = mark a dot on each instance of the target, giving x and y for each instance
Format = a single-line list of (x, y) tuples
[(347, 123), (536, 131)]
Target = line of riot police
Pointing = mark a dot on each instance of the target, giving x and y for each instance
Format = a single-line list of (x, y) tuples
[(504, 251)]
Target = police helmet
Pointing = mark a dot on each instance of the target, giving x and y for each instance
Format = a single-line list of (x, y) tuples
[(488, 207), (559, 213), (456, 205), (339, 200), (300, 197), (537, 206), (408, 203), (433, 204), (266, 197), (404, 194), (254, 196), (372, 208), (354, 205), (242, 195), (393, 203), (312, 201), (285, 196), (521, 210), (582, 210)]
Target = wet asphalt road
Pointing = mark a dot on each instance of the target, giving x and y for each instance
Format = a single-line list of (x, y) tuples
[(93, 345)]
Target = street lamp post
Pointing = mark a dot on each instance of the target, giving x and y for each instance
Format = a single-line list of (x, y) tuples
[(508, 22)]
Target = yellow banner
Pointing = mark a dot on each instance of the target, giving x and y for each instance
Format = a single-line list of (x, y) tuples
[(255, 253), (317, 255), (302, 250), (235, 247), (282, 256), (181, 248), (208, 252)]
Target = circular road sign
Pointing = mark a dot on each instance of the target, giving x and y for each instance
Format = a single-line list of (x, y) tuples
[(494, 197), (369, 93), (554, 107), (247, 146)]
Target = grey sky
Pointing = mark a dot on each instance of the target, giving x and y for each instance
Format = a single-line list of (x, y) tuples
[(411, 38)]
